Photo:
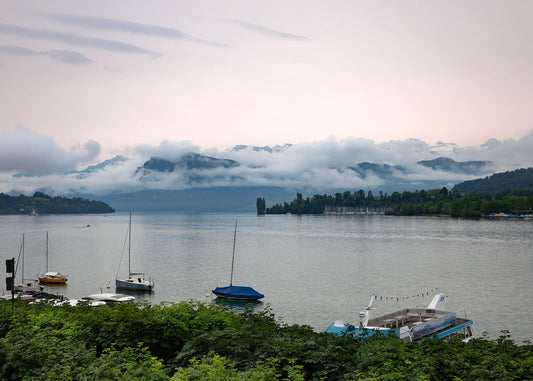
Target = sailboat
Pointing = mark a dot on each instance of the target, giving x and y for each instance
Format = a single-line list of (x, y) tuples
[(236, 292), (26, 286), (135, 281), (51, 276)]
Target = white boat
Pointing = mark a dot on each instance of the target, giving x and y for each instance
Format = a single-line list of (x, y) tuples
[(410, 324), (105, 298), (134, 281), (110, 298), (82, 301), (52, 276)]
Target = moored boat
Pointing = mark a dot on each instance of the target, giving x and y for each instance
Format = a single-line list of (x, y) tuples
[(104, 298), (52, 276), (26, 286), (110, 298), (236, 292), (410, 324), (135, 281)]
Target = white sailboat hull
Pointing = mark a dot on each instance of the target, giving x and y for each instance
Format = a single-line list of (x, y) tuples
[(137, 284)]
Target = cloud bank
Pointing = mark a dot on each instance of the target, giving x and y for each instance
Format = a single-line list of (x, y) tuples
[(317, 167), (29, 153)]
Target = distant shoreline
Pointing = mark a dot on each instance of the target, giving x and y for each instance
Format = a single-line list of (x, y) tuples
[(43, 204)]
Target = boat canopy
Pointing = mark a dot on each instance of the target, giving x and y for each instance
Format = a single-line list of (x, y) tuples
[(111, 297), (238, 292)]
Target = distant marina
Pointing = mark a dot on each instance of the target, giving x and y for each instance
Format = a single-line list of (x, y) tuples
[(526, 216), (350, 210)]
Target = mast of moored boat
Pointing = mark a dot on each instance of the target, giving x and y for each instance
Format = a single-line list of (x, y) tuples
[(23, 258), (129, 249), (47, 251), (233, 256)]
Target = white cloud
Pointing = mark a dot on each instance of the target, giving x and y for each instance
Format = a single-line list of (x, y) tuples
[(506, 154), (317, 167), (30, 153), (167, 150)]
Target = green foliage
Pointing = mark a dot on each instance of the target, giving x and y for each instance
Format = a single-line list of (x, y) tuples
[(195, 341), (430, 202), (518, 180), (261, 206), (473, 206), (43, 204), (126, 364), (214, 367), (508, 192), (411, 202)]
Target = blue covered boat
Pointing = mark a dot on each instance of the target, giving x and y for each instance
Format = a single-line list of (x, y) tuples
[(236, 292)]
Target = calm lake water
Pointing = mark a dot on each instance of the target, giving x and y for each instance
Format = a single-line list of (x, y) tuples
[(312, 269)]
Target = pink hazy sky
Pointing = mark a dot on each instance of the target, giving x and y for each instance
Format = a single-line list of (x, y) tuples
[(220, 73)]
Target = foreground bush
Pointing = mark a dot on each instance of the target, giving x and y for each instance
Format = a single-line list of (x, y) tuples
[(195, 341)]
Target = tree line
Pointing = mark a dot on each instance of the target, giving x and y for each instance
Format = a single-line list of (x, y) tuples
[(430, 202), (197, 341), (41, 203)]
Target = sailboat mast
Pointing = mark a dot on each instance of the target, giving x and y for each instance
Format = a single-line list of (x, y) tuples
[(46, 251), (129, 249), (233, 256), (22, 257)]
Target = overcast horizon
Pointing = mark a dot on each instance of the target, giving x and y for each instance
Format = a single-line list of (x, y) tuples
[(315, 166), (82, 82)]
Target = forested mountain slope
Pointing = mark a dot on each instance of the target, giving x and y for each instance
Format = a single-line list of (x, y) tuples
[(519, 179)]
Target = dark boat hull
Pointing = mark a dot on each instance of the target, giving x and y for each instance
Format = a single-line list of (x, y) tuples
[(134, 284)]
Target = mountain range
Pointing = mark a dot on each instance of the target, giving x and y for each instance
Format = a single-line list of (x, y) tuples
[(211, 184), (187, 180)]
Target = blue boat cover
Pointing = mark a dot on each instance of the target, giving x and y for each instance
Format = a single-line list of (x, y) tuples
[(361, 332), (237, 292)]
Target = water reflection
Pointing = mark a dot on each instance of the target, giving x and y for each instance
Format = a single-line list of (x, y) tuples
[(140, 296), (53, 288), (238, 305)]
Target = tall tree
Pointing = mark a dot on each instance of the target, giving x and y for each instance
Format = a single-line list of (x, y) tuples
[(261, 206)]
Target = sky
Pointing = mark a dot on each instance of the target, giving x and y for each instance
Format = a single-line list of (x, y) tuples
[(83, 81)]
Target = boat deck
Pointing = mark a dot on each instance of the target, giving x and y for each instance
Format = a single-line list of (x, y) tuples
[(408, 317), (409, 324), (420, 322)]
